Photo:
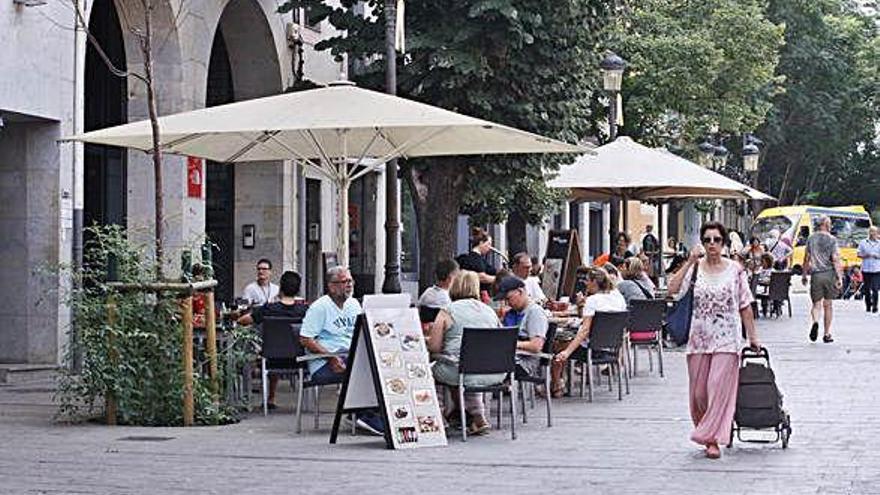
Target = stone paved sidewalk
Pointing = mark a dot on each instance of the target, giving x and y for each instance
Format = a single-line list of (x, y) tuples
[(639, 445)]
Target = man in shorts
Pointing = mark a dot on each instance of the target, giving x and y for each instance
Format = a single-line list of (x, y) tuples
[(822, 263)]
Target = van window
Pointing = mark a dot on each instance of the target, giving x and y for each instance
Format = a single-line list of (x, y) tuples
[(849, 230), (782, 223)]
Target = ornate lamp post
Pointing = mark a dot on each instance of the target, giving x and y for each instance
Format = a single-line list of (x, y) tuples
[(612, 78)]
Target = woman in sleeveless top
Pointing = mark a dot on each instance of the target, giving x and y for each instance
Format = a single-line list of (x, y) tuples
[(444, 340)]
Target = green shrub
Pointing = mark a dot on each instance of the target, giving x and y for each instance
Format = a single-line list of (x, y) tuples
[(138, 357)]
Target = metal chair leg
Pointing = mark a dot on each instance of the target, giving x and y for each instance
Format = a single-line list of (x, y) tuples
[(522, 401), (513, 386), (531, 388), (660, 357), (585, 376), (589, 365), (549, 396), (299, 399), (635, 360), (499, 411), (461, 410), (625, 379), (265, 384), (650, 361), (317, 405)]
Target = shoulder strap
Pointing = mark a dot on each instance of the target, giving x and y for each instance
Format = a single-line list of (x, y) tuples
[(645, 291)]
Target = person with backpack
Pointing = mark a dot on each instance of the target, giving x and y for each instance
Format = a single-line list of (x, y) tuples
[(722, 306)]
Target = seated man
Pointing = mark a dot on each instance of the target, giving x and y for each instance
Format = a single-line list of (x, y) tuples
[(437, 296), (262, 290), (328, 327), (522, 268), (532, 327), (288, 305)]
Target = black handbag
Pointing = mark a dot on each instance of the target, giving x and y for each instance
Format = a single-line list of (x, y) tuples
[(678, 319)]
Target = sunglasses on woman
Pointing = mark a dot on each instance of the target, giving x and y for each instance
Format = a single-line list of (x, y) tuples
[(713, 240)]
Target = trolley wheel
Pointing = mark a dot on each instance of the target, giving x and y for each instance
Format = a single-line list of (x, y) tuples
[(730, 442)]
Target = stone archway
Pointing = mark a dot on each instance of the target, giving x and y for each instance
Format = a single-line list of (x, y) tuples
[(244, 64), (106, 104)]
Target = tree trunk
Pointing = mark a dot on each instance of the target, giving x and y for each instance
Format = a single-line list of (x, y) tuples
[(436, 200), (147, 48), (516, 234)]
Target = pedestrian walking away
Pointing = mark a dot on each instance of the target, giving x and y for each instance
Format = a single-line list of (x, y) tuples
[(721, 308), (822, 264), (869, 251)]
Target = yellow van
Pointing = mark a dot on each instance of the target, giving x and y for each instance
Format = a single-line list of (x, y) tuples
[(849, 224)]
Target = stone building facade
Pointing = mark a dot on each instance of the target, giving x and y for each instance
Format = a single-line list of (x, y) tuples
[(53, 83)]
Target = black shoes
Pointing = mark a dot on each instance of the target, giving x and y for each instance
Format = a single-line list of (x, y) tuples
[(827, 339), (814, 331)]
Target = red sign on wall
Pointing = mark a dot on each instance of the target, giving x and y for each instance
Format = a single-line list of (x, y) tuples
[(195, 177)]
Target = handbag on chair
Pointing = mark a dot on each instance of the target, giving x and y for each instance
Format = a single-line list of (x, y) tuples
[(678, 319)]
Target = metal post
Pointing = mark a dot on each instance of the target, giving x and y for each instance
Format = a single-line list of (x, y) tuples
[(391, 284), (614, 217)]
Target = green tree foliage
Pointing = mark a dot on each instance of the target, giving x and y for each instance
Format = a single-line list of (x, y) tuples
[(695, 67), (530, 64), (819, 134)]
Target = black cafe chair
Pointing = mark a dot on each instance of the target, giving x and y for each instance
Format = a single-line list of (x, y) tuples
[(542, 376), (604, 347), (488, 351), (282, 354), (428, 314), (645, 330)]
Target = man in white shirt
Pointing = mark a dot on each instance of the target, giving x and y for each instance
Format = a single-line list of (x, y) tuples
[(522, 267), (261, 291), (437, 296)]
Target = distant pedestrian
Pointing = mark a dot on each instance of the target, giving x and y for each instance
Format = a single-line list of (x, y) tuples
[(722, 307), (869, 251), (822, 264)]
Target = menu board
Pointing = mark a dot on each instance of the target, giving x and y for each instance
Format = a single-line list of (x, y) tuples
[(562, 260), (389, 347)]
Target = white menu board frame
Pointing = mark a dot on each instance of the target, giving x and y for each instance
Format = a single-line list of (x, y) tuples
[(389, 369)]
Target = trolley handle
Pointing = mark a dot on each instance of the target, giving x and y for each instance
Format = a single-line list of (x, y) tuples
[(749, 353)]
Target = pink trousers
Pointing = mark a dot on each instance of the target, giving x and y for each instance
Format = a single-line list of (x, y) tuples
[(713, 383)]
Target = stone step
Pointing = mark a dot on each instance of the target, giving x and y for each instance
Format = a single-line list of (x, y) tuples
[(18, 373)]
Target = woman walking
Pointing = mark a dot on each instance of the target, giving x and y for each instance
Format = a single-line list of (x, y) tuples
[(722, 306)]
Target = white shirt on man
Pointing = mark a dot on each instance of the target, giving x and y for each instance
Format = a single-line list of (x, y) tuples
[(533, 289), (435, 297), (260, 294)]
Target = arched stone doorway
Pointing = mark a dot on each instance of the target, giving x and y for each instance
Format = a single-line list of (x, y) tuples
[(106, 104), (244, 64)]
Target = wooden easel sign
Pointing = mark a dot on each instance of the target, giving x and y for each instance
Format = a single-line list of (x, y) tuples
[(562, 260), (388, 371)]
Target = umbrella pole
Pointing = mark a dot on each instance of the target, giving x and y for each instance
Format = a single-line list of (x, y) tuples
[(343, 221)]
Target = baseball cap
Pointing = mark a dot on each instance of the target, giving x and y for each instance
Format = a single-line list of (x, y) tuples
[(508, 284)]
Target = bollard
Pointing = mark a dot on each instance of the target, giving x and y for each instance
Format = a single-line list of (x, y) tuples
[(187, 322)]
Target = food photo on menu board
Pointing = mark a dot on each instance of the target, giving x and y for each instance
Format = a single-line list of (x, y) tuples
[(405, 376)]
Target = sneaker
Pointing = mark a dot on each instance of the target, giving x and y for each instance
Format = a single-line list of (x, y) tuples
[(370, 423), (827, 339), (479, 426), (814, 332)]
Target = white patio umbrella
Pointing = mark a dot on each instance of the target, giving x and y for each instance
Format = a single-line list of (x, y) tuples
[(342, 131), (628, 170)]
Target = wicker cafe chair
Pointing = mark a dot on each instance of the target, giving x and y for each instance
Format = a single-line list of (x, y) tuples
[(488, 351), (542, 377), (645, 330)]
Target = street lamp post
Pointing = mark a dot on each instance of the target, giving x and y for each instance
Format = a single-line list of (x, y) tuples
[(391, 283), (612, 78)]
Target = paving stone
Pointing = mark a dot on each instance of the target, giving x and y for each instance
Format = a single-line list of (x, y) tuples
[(638, 445)]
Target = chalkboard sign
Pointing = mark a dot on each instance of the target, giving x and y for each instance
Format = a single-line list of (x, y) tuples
[(389, 370), (562, 260)]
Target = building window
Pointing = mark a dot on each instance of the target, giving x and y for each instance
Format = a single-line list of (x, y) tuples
[(309, 17)]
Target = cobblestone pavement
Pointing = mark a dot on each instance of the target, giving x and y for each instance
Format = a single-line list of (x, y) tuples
[(638, 445)]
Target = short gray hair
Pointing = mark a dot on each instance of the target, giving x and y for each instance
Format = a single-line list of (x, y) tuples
[(334, 271), (823, 219)]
